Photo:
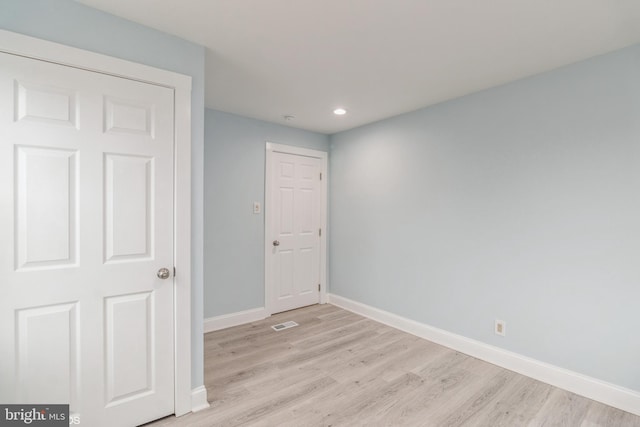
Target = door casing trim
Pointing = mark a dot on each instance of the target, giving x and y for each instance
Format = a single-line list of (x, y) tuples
[(299, 151), (31, 47)]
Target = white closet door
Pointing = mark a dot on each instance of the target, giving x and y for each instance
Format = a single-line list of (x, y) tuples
[(86, 214), (295, 227)]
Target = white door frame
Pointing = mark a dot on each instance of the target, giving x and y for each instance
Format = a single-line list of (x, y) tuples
[(289, 149), (31, 47)]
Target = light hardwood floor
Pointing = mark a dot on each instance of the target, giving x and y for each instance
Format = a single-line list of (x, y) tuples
[(340, 369)]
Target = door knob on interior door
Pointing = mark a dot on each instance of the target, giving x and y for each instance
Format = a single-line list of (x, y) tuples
[(164, 273), (276, 243)]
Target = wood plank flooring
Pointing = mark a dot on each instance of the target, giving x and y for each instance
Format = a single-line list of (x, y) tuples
[(340, 369)]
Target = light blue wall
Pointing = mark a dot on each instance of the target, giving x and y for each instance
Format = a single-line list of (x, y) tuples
[(234, 179), (73, 24), (521, 203)]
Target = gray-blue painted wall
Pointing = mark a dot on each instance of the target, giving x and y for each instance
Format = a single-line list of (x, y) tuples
[(520, 202), (234, 178), (73, 24)]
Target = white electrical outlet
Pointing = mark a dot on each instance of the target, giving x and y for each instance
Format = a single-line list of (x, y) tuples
[(256, 208), (500, 327)]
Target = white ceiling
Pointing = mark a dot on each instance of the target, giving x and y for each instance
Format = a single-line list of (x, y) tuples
[(376, 58)]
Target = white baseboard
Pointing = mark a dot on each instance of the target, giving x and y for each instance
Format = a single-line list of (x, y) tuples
[(592, 388), (199, 399), (234, 319)]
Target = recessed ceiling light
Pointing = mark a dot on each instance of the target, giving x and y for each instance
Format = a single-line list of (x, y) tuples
[(339, 111)]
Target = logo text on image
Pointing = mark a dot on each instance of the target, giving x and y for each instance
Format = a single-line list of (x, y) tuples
[(34, 415)]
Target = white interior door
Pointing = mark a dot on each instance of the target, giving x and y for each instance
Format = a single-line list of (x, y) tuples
[(86, 214), (295, 216)]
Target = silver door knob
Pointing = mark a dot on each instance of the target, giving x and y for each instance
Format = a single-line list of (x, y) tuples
[(276, 243), (164, 273)]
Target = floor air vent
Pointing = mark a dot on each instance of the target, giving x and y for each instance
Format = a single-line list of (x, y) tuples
[(285, 325)]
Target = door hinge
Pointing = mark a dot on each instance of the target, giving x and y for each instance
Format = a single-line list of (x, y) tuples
[(318, 287), (174, 272), (320, 232), (320, 176)]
